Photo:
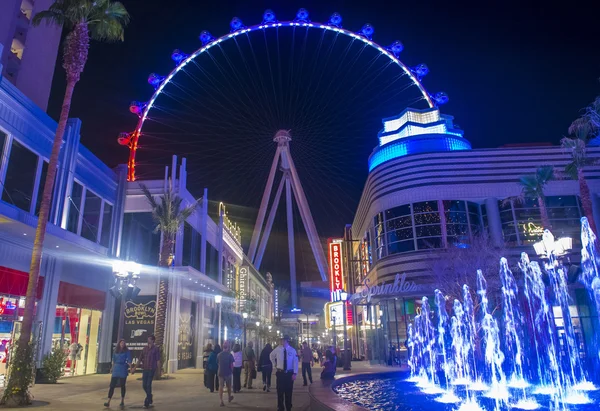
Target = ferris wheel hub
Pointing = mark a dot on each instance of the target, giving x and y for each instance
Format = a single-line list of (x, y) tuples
[(282, 137)]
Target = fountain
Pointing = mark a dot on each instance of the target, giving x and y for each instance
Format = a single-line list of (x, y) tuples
[(503, 349)]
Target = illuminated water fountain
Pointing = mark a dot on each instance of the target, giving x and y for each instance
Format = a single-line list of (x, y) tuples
[(514, 357)]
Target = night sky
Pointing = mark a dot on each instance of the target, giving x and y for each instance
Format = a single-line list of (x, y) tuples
[(515, 73)]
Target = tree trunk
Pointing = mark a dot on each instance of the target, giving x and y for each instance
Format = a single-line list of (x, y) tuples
[(586, 199), (163, 293), (38, 244), (544, 214)]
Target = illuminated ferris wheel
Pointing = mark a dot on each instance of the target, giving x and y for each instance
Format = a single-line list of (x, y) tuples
[(261, 78)]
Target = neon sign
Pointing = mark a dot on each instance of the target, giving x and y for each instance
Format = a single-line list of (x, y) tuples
[(243, 285), (335, 266)]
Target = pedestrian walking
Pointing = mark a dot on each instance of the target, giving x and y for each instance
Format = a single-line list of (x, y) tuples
[(121, 361), (217, 351), (149, 361), (225, 360), (266, 367), (307, 362), (212, 367), (249, 365), (206, 355), (285, 361), (237, 368)]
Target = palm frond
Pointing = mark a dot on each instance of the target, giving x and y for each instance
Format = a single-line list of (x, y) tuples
[(107, 21), (168, 212), (571, 170), (532, 185), (50, 17)]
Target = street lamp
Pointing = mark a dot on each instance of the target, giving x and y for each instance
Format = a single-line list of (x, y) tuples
[(126, 275), (257, 330), (218, 299), (548, 245), (245, 316), (344, 296)]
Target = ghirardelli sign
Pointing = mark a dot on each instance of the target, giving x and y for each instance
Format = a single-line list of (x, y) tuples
[(140, 311), (399, 286)]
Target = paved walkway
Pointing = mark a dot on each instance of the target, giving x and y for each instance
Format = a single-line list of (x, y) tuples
[(185, 391)]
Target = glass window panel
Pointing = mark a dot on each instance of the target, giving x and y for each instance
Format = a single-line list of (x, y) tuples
[(74, 204), (526, 203), (20, 176), (429, 243), (430, 218), (473, 207), (401, 222), (425, 207), (401, 247), (140, 243), (458, 229), (397, 211), (454, 205), (504, 206), (528, 214), (91, 216), (38, 202), (429, 231), (564, 213), (106, 223), (400, 235), (561, 201), (2, 142), (453, 217), (530, 231), (378, 219), (459, 241)]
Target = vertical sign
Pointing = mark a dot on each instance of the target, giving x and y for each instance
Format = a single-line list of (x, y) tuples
[(243, 285), (139, 322), (335, 266), (276, 303)]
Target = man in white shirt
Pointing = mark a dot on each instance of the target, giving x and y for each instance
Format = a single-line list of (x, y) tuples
[(285, 361)]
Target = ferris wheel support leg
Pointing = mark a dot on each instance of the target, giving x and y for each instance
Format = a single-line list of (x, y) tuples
[(265, 237), (263, 207), (291, 246), (307, 220)]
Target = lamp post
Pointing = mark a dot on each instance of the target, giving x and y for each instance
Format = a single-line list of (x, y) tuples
[(218, 299), (257, 331), (126, 275), (245, 316), (548, 246), (344, 296), (334, 311)]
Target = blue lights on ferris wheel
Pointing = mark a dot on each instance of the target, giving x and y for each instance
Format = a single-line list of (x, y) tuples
[(421, 70), (236, 24), (205, 37), (335, 20), (178, 56), (155, 80), (440, 98), (396, 48), (367, 31), (302, 16), (269, 17)]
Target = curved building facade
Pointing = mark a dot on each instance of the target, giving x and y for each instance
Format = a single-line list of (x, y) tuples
[(417, 206)]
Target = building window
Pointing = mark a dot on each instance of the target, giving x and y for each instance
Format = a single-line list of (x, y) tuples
[(212, 261), (140, 243), (74, 207), (40, 191), (106, 223), (91, 216), (428, 228), (379, 235), (20, 176), (191, 247)]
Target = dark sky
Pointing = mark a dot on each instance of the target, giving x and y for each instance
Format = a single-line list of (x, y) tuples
[(516, 71)]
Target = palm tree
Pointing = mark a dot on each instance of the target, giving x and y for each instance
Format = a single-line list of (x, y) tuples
[(582, 130), (101, 20), (532, 186), (169, 216)]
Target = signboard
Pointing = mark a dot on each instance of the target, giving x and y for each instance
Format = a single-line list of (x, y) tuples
[(185, 341), (335, 315), (401, 285), (336, 266), (276, 303), (139, 322), (243, 285)]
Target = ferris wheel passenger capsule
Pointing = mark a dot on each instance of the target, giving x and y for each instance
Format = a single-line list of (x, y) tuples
[(335, 20), (236, 24), (178, 56), (396, 48), (367, 31), (124, 138), (154, 80), (137, 107), (205, 37), (421, 70), (302, 16), (269, 17), (440, 98)]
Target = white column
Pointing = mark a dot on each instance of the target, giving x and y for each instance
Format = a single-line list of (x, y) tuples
[(200, 332), (46, 307), (173, 324), (106, 332), (494, 221)]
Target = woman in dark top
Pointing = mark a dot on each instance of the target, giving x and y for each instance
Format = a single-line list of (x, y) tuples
[(328, 366), (265, 366), (205, 356), (212, 360), (121, 361), (211, 368)]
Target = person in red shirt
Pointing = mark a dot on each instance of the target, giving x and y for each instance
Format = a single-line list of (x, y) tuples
[(149, 361)]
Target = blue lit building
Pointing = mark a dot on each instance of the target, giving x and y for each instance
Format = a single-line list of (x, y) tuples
[(428, 193)]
